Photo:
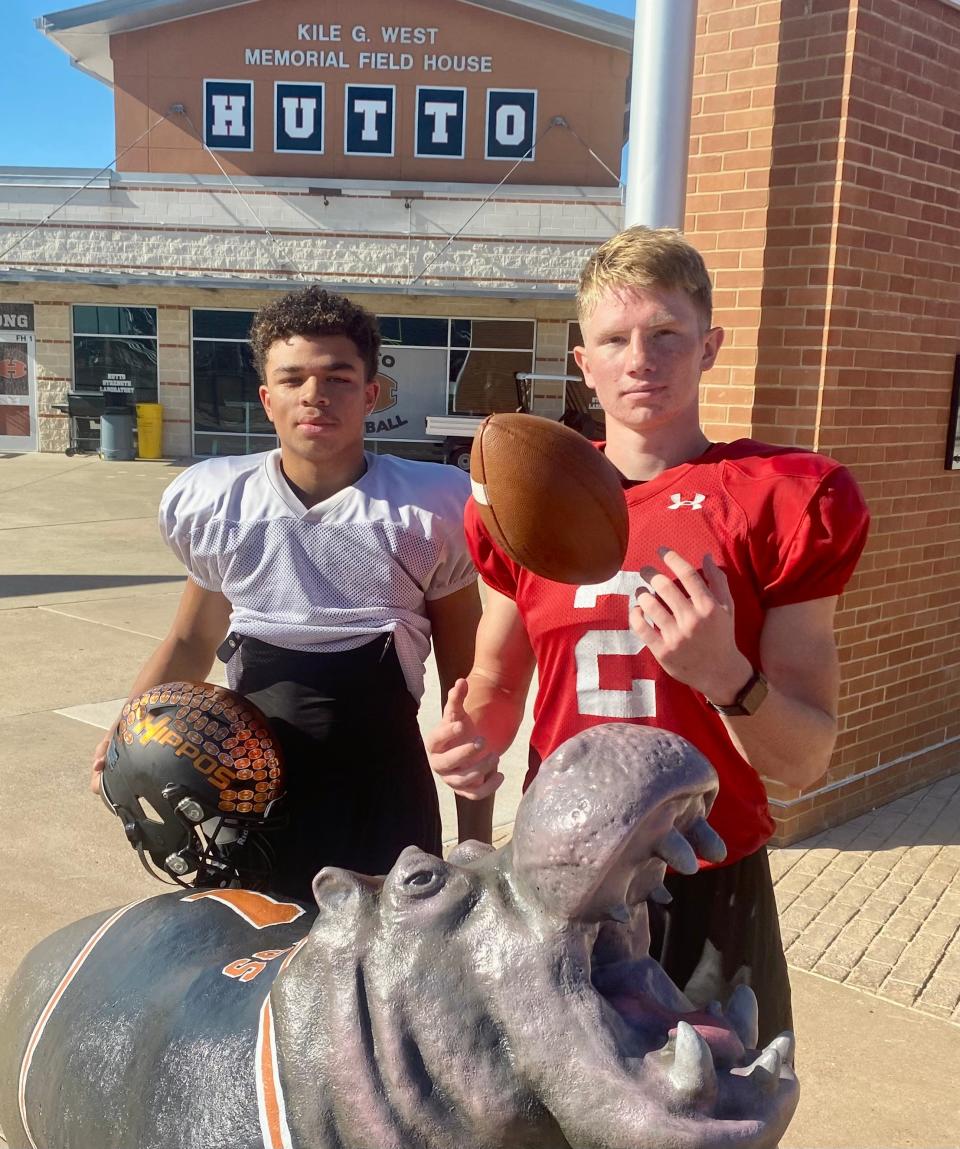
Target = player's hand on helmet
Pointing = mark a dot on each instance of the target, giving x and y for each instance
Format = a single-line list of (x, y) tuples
[(99, 761), (687, 624), (458, 752)]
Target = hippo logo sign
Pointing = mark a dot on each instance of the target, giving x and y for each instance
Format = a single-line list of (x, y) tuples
[(386, 400), (413, 385), (13, 368), (388, 393)]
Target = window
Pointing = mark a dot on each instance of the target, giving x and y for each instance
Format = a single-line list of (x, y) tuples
[(429, 365), (228, 417), (581, 410), (485, 357), (413, 331), (434, 366), (115, 321), (952, 462), (115, 352)]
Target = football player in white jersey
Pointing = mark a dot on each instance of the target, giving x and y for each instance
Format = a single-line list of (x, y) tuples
[(320, 574)]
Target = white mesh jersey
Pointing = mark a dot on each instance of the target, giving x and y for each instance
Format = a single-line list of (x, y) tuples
[(329, 577)]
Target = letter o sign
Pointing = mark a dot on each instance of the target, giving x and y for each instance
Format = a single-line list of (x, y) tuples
[(511, 123)]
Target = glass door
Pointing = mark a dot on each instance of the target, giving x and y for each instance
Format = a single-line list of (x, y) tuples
[(18, 392)]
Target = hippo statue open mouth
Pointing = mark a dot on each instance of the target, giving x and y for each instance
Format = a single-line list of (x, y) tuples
[(497, 1000)]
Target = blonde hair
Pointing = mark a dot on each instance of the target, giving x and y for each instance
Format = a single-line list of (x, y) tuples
[(644, 257)]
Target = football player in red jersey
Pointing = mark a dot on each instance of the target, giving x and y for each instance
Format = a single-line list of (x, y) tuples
[(719, 626)]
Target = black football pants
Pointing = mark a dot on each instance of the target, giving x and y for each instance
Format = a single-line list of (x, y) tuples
[(359, 787)]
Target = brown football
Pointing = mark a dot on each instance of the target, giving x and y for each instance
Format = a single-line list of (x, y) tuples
[(549, 498)]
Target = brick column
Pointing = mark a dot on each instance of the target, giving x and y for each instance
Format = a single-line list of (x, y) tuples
[(54, 367), (551, 359), (822, 193), (173, 361)]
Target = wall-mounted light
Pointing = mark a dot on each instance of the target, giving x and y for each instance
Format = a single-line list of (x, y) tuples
[(328, 193), (407, 196)]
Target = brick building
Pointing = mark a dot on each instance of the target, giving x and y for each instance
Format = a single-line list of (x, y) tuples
[(823, 191), (451, 171)]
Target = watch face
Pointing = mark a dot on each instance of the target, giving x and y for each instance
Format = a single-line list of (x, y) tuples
[(755, 694), (748, 700)]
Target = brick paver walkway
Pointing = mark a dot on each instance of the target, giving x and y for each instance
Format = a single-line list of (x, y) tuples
[(875, 903)]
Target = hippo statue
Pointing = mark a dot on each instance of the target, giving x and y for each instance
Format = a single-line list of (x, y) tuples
[(496, 1000)]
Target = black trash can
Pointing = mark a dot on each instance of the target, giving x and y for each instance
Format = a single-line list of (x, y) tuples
[(116, 434)]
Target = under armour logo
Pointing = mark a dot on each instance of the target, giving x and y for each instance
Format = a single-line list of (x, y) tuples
[(677, 501)]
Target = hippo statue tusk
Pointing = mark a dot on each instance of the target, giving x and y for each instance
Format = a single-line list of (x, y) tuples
[(742, 1014)]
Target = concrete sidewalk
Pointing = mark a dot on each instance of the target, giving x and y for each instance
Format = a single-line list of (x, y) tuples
[(871, 909)]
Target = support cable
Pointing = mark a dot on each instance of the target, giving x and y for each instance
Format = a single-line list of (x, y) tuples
[(556, 122), (284, 257), (486, 199), (46, 219), (576, 136), (178, 109)]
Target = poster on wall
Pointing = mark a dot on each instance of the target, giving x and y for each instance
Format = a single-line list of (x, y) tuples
[(413, 385)]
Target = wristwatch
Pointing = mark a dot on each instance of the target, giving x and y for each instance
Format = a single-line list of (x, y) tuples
[(747, 701)]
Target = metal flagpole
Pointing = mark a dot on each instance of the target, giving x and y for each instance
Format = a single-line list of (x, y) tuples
[(664, 45)]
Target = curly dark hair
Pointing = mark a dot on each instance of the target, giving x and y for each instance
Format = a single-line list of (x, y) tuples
[(314, 311)]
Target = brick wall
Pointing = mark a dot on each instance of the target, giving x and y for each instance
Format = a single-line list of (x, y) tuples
[(823, 194)]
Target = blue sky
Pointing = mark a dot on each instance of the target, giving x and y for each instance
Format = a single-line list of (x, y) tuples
[(53, 114)]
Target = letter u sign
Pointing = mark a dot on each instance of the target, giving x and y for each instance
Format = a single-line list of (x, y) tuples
[(298, 118)]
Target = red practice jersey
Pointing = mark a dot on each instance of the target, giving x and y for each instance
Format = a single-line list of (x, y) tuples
[(785, 526)]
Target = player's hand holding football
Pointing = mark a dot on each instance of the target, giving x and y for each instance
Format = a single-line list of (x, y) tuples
[(458, 753), (687, 624)]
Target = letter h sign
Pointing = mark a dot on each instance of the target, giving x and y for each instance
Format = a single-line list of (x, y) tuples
[(228, 115)]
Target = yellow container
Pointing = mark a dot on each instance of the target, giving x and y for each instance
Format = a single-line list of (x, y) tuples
[(149, 431)]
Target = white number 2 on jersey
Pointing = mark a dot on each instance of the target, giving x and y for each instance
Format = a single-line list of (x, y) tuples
[(640, 700)]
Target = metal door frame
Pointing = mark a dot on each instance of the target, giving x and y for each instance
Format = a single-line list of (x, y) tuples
[(22, 442)]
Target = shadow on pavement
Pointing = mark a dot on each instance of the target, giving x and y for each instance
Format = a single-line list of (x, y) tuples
[(22, 585)]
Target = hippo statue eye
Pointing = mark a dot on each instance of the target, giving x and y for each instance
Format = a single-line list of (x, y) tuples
[(423, 883)]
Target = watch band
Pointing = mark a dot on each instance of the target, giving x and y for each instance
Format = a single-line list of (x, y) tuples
[(747, 701)]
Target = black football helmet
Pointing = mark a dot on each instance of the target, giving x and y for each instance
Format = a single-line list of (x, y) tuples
[(197, 778)]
